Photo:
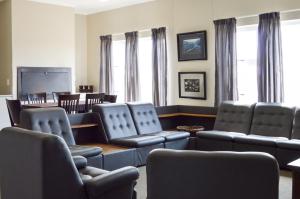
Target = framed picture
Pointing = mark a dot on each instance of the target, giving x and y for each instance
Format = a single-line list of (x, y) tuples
[(192, 46), (192, 85)]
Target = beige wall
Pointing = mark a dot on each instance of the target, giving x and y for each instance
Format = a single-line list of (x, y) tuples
[(178, 16), (43, 35), (81, 50), (5, 47)]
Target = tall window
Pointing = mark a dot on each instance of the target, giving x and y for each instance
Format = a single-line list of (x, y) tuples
[(291, 61), (145, 68), (247, 63)]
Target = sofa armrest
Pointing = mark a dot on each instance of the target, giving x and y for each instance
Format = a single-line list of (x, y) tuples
[(79, 161), (111, 181)]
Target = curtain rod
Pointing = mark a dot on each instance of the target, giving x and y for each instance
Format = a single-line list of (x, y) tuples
[(283, 12), (120, 34)]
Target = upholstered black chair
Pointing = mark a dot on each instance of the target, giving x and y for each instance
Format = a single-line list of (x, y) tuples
[(211, 175), (39, 166), (55, 121), (14, 108)]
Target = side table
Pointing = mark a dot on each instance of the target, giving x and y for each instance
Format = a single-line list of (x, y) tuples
[(191, 129), (295, 166)]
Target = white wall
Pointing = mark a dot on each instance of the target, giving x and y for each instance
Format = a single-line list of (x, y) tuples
[(4, 118), (178, 16), (43, 35)]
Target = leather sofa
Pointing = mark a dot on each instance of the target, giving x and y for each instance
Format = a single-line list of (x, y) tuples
[(136, 125), (55, 121), (39, 166), (231, 175), (265, 127)]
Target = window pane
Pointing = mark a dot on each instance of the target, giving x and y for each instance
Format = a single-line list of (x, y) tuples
[(118, 67), (247, 62), (145, 68), (291, 61)]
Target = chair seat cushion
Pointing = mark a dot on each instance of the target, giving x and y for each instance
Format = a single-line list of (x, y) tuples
[(259, 140), (85, 151), (138, 141), (219, 135), (293, 144), (172, 135)]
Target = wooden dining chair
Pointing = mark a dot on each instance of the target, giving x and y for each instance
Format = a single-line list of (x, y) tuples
[(69, 102), (91, 99), (37, 98), (14, 109), (110, 98), (56, 94)]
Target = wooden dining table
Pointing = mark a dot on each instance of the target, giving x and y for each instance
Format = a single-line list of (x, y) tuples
[(51, 105)]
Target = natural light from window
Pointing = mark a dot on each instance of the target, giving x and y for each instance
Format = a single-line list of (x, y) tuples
[(145, 69), (291, 60), (247, 62)]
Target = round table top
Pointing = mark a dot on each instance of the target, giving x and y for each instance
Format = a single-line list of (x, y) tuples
[(192, 129)]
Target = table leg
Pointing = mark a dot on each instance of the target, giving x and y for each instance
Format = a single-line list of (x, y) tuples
[(296, 185)]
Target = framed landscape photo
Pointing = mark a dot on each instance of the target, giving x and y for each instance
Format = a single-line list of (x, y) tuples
[(192, 85), (192, 46)]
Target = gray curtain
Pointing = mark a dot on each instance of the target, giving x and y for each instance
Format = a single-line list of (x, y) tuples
[(132, 89), (106, 82), (159, 66), (225, 61), (269, 59)]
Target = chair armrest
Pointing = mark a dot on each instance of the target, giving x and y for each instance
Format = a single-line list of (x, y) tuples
[(79, 161), (110, 181)]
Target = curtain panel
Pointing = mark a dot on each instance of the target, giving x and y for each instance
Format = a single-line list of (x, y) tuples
[(159, 66), (106, 81), (225, 60), (269, 59), (132, 86)]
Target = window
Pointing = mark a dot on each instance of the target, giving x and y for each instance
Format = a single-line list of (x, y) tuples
[(247, 63), (291, 62), (145, 68)]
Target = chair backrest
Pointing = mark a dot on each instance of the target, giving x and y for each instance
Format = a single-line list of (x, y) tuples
[(56, 94), (196, 174), (116, 119), (37, 98), (48, 120), (234, 116), (69, 102), (110, 98), (14, 109), (92, 99), (37, 166), (296, 125), (145, 118), (272, 119)]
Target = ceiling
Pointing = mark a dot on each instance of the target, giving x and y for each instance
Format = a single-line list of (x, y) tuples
[(93, 6)]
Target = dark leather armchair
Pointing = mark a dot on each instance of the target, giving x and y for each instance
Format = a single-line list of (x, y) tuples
[(211, 175), (39, 166)]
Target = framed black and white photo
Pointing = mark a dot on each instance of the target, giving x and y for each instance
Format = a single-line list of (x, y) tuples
[(192, 85), (192, 46)]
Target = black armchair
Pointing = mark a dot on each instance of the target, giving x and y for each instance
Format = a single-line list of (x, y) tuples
[(39, 166)]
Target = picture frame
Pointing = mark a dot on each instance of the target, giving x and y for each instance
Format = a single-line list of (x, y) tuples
[(192, 46), (192, 85)]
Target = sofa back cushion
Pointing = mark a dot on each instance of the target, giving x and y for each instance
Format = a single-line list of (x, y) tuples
[(116, 119), (145, 118), (272, 119), (234, 116), (296, 125), (48, 120)]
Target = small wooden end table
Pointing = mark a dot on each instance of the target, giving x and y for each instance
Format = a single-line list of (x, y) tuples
[(295, 166), (191, 129)]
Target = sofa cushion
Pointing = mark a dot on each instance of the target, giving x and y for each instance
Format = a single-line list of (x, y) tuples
[(272, 119), (48, 120), (145, 118), (293, 144), (172, 135), (219, 135), (259, 140), (85, 151), (138, 141), (117, 120), (234, 117)]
